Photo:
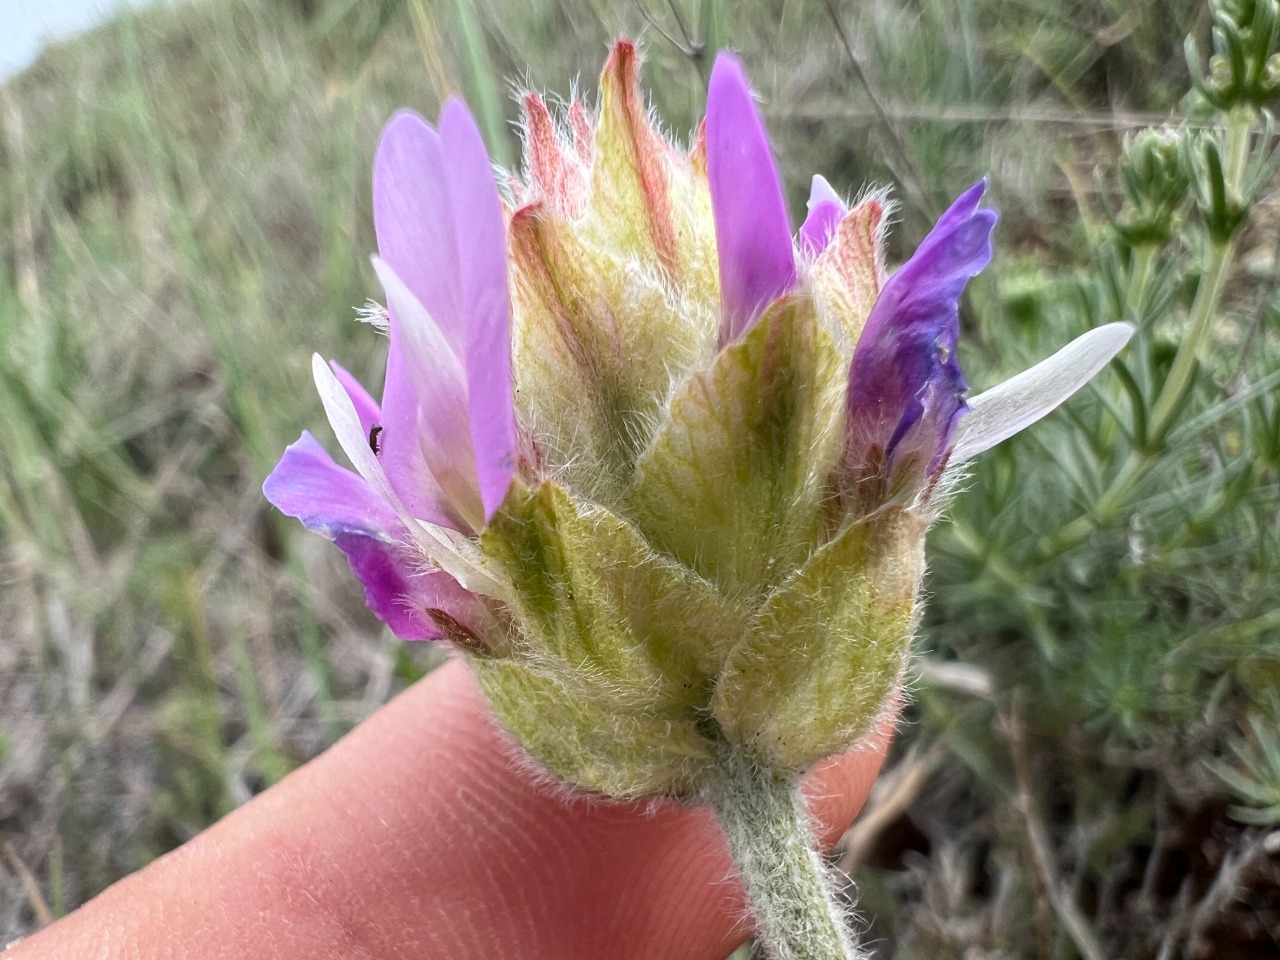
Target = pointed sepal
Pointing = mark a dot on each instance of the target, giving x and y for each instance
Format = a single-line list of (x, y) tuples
[(729, 484), (822, 657)]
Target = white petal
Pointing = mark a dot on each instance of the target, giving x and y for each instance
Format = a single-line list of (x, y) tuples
[(457, 555), (1022, 400), (821, 191), (350, 432)]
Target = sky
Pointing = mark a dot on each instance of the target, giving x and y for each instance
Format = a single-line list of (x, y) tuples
[(25, 24)]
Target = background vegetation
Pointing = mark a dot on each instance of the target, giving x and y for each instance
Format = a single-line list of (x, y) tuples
[(1092, 764)]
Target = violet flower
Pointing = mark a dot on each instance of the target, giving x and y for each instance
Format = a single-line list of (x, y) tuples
[(753, 236), (439, 454), (906, 391)]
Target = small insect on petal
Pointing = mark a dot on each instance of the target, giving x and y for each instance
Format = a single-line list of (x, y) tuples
[(345, 420), (1022, 400)]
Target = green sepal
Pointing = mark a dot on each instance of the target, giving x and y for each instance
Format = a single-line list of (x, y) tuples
[(593, 743), (602, 609), (729, 485), (823, 655), (596, 340)]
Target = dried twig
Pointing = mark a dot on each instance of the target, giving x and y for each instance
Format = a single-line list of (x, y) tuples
[(1227, 885), (1087, 121), (1073, 920), (1172, 931), (695, 45), (686, 48), (913, 180), (957, 677), (39, 906), (892, 795)]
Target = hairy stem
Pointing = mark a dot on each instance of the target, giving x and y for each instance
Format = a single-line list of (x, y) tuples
[(788, 888)]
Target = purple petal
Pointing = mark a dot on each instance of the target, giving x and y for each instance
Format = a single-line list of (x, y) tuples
[(414, 220), (753, 235), (367, 408), (400, 445), (482, 249), (943, 255), (431, 424), (343, 507), (327, 498), (391, 590), (905, 386), (819, 227)]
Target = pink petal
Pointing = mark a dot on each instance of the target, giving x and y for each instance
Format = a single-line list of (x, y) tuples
[(327, 498), (432, 385), (753, 234), (482, 248), (414, 220), (400, 446), (343, 507)]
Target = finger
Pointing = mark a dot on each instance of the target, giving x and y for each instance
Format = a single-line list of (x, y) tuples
[(423, 834)]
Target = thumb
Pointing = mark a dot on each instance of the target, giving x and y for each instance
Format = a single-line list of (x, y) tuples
[(422, 834)]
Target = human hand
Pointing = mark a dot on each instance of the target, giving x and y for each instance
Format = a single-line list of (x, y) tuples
[(423, 834)]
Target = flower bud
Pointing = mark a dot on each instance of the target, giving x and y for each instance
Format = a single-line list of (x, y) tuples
[(1154, 181), (1242, 71), (1221, 207)]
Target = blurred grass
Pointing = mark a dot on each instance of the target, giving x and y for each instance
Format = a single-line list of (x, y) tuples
[(184, 196)]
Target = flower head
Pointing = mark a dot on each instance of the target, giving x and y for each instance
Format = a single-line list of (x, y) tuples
[(663, 467)]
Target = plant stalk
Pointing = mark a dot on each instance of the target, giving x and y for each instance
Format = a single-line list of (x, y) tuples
[(1212, 280), (1218, 260), (1184, 362), (789, 890)]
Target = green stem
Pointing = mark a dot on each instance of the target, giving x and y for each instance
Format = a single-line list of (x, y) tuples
[(1184, 362), (1239, 127), (1144, 268), (1182, 372), (1079, 530), (1166, 406), (485, 84), (1209, 292), (1144, 261), (790, 894)]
